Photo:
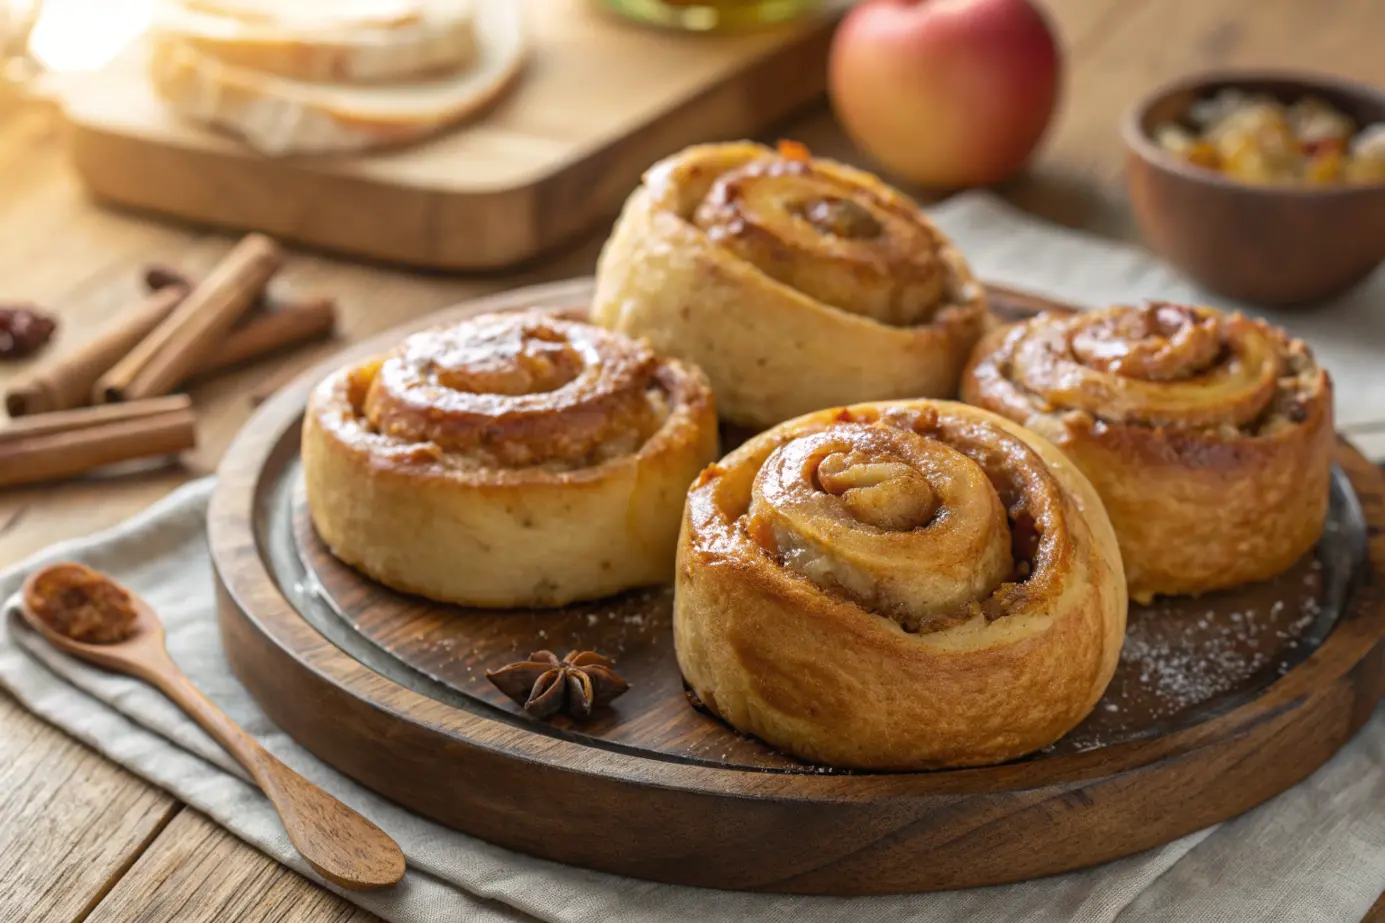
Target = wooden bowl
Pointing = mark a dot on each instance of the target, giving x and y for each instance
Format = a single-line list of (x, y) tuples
[(1272, 245)]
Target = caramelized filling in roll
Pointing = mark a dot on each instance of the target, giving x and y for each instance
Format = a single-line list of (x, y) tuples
[(1208, 435), (795, 282), (515, 391), (899, 585), (833, 240)]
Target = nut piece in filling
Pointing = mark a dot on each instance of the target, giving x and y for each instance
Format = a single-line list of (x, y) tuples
[(899, 585), (1208, 435), (513, 459), (82, 604)]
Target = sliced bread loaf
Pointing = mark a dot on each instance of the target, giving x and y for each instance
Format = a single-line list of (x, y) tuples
[(312, 12), (277, 115), (326, 42)]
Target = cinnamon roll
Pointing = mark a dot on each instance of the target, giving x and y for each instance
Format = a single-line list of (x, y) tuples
[(795, 283), (513, 459), (1208, 435), (900, 585)]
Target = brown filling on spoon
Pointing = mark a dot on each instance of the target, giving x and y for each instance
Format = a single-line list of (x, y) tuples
[(80, 603)]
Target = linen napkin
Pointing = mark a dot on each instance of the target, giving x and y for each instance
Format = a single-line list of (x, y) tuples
[(1316, 852)]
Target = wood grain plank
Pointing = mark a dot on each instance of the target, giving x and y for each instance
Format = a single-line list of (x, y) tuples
[(1077, 179), (1377, 912), (73, 822), (196, 872), (1080, 23)]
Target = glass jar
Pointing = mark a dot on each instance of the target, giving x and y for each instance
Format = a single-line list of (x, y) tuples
[(713, 15)]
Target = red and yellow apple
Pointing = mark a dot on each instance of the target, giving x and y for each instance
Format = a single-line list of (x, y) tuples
[(945, 92)]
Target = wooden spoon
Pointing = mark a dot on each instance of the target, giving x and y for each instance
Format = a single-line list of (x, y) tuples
[(341, 845)]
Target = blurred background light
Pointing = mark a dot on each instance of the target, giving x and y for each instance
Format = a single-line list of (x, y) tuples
[(80, 35)]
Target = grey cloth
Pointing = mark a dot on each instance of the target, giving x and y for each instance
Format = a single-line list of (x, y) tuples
[(1314, 853)]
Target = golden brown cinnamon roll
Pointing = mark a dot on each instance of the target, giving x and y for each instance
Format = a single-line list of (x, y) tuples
[(514, 459), (1208, 435), (794, 283), (901, 585)]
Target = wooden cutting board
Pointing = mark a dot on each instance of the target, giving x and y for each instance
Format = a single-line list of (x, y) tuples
[(1219, 702), (599, 101)]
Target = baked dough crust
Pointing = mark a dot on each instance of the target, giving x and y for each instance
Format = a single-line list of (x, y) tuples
[(514, 459), (708, 256), (1208, 435), (838, 596)]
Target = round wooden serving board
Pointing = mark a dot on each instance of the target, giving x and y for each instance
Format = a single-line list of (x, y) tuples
[(1219, 703)]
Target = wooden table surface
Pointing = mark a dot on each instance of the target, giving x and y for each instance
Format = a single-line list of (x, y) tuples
[(83, 839)]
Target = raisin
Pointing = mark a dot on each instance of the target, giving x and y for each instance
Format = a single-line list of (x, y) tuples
[(24, 330), (157, 276)]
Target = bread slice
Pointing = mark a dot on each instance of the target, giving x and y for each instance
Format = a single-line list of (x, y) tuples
[(349, 42), (312, 12), (278, 116)]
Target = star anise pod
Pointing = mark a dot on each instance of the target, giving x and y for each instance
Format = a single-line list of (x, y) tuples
[(545, 685)]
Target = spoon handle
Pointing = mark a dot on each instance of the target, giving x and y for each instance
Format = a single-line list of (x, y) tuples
[(341, 845)]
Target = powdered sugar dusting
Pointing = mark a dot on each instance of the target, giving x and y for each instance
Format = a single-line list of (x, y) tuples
[(1184, 654)]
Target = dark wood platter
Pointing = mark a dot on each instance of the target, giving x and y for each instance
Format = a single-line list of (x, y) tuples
[(1220, 702)]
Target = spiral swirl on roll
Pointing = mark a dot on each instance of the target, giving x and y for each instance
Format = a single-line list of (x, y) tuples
[(1207, 434), (519, 458), (962, 581), (1161, 364), (794, 282), (856, 507), (832, 239), (519, 389)]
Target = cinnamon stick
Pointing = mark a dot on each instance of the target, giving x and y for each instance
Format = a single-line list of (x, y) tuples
[(197, 327), (65, 421), (289, 325), (274, 324), (67, 443), (66, 380)]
